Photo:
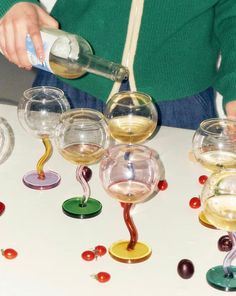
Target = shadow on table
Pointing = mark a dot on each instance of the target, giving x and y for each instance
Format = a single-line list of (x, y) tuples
[(5, 101)]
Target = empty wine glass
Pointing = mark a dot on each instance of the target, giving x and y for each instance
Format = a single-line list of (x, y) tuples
[(81, 138), (219, 205), (131, 116), (7, 140), (214, 147), (39, 111), (130, 173)]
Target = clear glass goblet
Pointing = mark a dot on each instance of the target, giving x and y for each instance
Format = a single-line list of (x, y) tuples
[(39, 111), (7, 140), (81, 138), (219, 205), (214, 147), (130, 173), (132, 117)]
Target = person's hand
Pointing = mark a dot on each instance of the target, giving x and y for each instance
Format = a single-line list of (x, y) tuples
[(21, 19), (230, 109)]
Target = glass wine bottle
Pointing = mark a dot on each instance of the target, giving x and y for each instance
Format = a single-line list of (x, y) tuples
[(70, 56)]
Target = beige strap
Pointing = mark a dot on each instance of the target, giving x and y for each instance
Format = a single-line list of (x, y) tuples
[(48, 4), (135, 19)]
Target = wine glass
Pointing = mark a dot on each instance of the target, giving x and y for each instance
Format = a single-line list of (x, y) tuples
[(129, 173), (39, 111), (131, 116), (7, 140), (214, 147), (81, 138), (219, 205)]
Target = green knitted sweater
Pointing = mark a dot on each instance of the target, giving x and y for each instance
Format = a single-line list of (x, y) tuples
[(179, 43)]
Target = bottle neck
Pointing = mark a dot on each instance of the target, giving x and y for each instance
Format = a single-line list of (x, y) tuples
[(99, 66)]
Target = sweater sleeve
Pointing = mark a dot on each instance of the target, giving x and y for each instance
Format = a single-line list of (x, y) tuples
[(7, 4), (225, 30)]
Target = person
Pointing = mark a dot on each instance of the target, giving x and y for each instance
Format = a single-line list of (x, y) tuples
[(172, 50)]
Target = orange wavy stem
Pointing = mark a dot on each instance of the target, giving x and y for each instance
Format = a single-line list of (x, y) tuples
[(48, 152)]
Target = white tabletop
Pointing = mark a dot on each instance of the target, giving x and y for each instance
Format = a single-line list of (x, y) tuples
[(49, 243)]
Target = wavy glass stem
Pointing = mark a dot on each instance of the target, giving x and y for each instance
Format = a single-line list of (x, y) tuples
[(130, 225), (84, 184), (230, 256), (47, 154)]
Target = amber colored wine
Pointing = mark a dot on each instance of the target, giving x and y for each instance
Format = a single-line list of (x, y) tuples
[(215, 160), (220, 210), (129, 191), (131, 129), (83, 153), (65, 68)]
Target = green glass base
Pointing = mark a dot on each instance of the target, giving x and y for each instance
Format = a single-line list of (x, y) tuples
[(216, 278), (72, 207)]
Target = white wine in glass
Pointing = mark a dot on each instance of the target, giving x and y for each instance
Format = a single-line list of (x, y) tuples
[(214, 147), (82, 138), (82, 153), (219, 205), (214, 144), (132, 117)]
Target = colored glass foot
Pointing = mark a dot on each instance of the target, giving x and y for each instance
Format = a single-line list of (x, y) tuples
[(32, 180), (203, 220), (216, 278), (140, 253), (73, 207)]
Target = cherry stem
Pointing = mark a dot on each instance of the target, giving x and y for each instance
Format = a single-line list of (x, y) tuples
[(47, 154), (230, 256), (84, 184), (130, 225)]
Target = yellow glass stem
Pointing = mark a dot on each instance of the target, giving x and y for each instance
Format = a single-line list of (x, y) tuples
[(48, 152)]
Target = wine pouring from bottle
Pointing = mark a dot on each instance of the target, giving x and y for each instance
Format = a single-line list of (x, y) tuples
[(70, 56)]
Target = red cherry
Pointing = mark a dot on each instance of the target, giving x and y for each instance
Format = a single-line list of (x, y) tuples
[(102, 276), (9, 253), (2, 208), (88, 255), (162, 185), (100, 250), (195, 202), (87, 173), (202, 179)]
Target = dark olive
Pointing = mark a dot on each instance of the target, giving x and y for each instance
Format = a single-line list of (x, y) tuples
[(87, 173), (225, 243), (185, 268)]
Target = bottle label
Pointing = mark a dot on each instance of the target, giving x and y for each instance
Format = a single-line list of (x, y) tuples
[(48, 40)]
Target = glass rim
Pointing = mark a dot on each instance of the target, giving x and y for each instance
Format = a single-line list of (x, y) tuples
[(205, 123), (216, 177), (151, 152), (224, 171), (129, 92), (69, 113), (42, 88)]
